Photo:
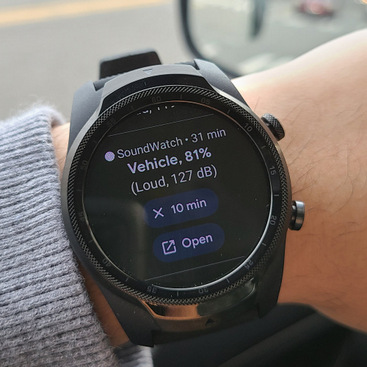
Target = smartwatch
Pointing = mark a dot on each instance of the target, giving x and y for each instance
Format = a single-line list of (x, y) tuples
[(176, 197)]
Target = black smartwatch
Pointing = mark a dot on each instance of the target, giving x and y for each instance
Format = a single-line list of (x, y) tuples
[(176, 198)]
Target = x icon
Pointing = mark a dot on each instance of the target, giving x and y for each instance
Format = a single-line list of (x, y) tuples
[(158, 213)]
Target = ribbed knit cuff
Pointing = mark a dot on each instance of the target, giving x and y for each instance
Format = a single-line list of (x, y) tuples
[(46, 318)]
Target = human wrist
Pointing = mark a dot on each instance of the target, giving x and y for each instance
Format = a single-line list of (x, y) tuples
[(262, 98), (301, 279), (319, 100)]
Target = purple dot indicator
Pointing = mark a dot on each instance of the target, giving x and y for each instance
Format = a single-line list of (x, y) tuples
[(109, 156)]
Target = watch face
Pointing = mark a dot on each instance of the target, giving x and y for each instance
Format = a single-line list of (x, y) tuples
[(176, 196)]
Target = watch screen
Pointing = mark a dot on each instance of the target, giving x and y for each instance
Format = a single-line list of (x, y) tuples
[(177, 195)]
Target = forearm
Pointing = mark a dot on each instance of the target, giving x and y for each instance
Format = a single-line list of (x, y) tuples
[(320, 99)]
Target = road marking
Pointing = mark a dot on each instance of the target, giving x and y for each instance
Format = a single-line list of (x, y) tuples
[(68, 9)]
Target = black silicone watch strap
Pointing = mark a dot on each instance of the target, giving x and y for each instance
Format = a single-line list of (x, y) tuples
[(127, 62), (123, 63)]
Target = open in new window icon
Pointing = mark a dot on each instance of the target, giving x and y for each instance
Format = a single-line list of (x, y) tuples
[(169, 247)]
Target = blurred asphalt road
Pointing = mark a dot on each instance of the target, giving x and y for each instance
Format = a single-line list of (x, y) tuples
[(48, 48)]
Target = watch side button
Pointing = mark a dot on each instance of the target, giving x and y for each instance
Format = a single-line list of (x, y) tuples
[(298, 215), (274, 125)]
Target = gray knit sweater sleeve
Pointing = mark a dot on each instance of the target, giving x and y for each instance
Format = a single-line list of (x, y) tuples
[(46, 318)]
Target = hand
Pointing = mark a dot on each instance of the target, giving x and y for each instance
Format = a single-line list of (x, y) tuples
[(320, 98), (110, 324)]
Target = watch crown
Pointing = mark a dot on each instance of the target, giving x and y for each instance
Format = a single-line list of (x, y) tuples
[(298, 215), (274, 125)]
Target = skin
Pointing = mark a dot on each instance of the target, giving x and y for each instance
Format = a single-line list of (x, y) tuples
[(320, 100)]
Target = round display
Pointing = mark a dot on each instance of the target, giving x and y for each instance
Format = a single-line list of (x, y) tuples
[(177, 195)]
